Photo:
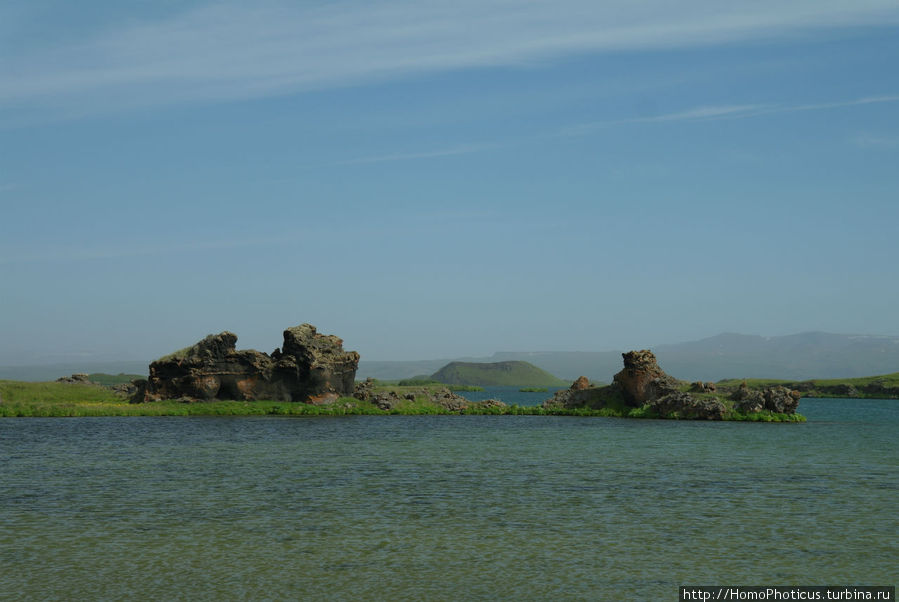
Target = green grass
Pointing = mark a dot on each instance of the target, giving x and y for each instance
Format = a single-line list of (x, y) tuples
[(884, 386), (12, 391), (752, 383), (427, 383), (886, 380), (533, 390), (177, 355), (418, 382)]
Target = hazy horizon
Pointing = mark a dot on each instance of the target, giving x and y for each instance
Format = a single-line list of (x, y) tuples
[(111, 359), (444, 180)]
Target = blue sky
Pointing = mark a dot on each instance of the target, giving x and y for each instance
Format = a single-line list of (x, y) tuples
[(433, 179)]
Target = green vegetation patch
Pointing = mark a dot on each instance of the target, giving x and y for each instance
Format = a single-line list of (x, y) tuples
[(52, 399), (13, 391), (884, 386), (418, 382)]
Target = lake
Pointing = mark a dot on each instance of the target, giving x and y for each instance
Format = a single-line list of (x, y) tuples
[(445, 507)]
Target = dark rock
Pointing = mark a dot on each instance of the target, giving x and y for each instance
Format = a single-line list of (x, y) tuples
[(140, 390), (591, 397), (76, 379), (124, 389), (321, 363), (580, 394), (642, 380), (844, 389), (701, 387), (684, 405), (781, 399), (492, 403), (365, 390), (879, 389), (747, 400), (309, 367), (580, 384), (805, 386), (385, 401), (775, 399), (449, 400), (642, 383)]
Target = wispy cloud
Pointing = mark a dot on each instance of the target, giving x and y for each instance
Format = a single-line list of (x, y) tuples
[(702, 113), (247, 50), (876, 141), (707, 113), (447, 152), (832, 105)]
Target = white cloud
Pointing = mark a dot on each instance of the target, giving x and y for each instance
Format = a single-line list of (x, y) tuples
[(706, 113), (247, 50), (447, 152), (702, 113)]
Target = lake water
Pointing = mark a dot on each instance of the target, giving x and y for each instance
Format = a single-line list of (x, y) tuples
[(444, 507), (510, 395)]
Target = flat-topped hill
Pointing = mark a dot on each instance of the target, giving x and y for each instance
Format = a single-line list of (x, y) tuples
[(513, 373)]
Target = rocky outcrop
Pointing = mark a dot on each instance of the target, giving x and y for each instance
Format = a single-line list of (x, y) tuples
[(364, 390), (642, 379), (774, 399), (389, 400), (580, 384), (493, 403), (701, 387), (643, 388), (443, 397), (581, 394), (748, 400), (781, 399), (684, 405), (644, 383), (76, 379), (309, 367), (129, 389)]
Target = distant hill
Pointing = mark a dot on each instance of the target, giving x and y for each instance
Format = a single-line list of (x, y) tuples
[(46, 372), (520, 374), (797, 357), (398, 370), (107, 380), (793, 357), (804, 356)]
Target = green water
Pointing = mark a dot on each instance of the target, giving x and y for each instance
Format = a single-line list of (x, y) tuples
[(444, 507)]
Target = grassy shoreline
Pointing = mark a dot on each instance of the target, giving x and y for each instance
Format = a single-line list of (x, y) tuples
[(63, 400), (344, 407), (884, 386)]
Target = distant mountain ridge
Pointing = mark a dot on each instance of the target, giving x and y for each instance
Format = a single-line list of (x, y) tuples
[(800, 356), (797, 357), (45, 372)]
